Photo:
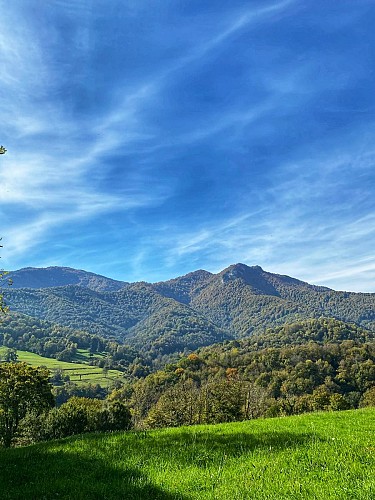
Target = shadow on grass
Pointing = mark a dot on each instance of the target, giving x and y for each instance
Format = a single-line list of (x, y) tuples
[(111, 467), (203, 447), (39, 473)]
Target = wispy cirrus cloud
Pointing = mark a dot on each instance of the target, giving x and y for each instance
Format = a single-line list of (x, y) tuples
[(54, 163), (53, 157), (196, 137), (300, 228)]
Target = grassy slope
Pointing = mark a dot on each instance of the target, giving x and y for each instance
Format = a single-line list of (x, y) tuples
[(79, 373), (318, 456)]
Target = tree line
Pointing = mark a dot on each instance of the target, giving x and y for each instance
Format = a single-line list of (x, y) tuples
[(22, 332)]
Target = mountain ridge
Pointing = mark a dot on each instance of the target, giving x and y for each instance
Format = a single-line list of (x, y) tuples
[(54, 276), (187, 312)]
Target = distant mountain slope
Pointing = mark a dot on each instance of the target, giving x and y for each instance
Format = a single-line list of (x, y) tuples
[(31, 277), (194, 310), (246, 299), (136, 313), (185, 287)]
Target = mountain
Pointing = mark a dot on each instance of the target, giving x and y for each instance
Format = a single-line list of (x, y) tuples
[(185, 287), (187, 312), (31, 277), (245, 299), (136, 313)]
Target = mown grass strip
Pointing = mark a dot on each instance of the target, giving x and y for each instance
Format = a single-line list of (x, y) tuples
[(78, 372)]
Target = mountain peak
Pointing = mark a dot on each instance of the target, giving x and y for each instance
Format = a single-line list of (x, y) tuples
[(55, 276), (186, 312), (243, 267), (253, 276)]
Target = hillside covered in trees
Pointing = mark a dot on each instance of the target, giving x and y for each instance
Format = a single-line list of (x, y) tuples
[(307, 366), (203, 347), (192, 311)]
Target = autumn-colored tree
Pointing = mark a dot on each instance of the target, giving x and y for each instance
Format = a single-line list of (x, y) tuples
[(368, 398)]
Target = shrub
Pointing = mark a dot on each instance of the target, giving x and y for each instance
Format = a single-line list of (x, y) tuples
[(77, 416)]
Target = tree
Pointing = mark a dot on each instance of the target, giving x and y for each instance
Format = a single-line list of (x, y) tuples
[(178, 405), (23, 389), (10, 355), (368, 398), (77, 416)]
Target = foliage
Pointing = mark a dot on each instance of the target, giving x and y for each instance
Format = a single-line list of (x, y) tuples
[(164, 319), (10, 355), (136, 315), (245, 300), (55, 341), (186, 403), (23, 389), (77, 416), (368, 398), (308, 366), (68, 390)]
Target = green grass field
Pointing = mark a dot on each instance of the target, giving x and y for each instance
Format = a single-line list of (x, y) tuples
[(79, 373), (324, 456)]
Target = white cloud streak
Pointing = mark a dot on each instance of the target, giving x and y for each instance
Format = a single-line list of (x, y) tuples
[(294, 232), (48, 172), (55, 164), (47, 168)]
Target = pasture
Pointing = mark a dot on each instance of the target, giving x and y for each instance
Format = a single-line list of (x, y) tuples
[(79, 373), (322, 456)]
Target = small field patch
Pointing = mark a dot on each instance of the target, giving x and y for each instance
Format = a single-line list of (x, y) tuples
[(79, 373)]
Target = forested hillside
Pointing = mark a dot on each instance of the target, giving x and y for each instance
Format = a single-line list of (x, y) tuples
[(137, 315), (18, 331), (311, 365), (31, 277), (188, 312), (245, 300)]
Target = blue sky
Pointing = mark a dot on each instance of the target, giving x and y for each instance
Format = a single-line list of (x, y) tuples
[(148, 139)]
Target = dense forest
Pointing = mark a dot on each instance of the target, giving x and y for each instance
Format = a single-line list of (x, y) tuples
[(317, 364), (186, 313), (136, 315), (312, 365), (18, 331)]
